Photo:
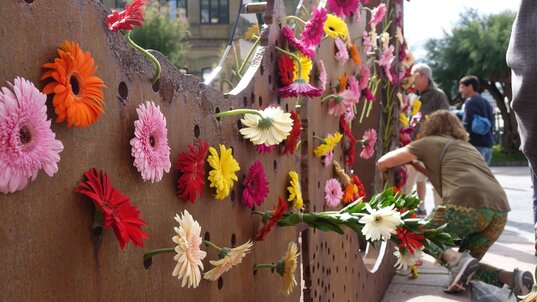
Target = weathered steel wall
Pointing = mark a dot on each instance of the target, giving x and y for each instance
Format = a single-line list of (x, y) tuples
[(47, 250)]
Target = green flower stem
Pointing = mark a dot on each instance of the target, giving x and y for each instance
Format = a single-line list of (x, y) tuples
[(147, 54), (214, 246), (332, 95), (363, 111), (239, 111), (264, 265), (250, 52), (294, 18), (298, 101), (293, 56), (152, 253), (319, 138)]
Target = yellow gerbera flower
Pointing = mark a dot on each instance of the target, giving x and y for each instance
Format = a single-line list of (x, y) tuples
[(335, 27), (223, 173), (403, 120), (295, 192), (329, 143), (306, 68), (230, 257), (416, 107), (286, 267)]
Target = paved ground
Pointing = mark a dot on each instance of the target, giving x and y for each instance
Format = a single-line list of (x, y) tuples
[(513, 249)]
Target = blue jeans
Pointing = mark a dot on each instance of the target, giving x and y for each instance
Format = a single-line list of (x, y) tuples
[(486, 153)]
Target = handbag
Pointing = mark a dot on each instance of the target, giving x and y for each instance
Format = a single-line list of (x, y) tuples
[(480, 125)]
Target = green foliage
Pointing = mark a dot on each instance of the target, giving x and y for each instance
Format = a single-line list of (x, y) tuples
[(160, 33), (477, 45), (500, 156)]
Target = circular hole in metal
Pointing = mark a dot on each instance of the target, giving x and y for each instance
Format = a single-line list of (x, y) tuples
[(279, 100), (286, 107), (156, 86), (252, 97), (233, 240), (233, 195), (196, 131), (245, 101), (207, 236), (239, 125), (260, 101), (261, 69), (270, 79), (220, 283), (217, 110), (318, 184), (29, 1), (275, 165), (123, 90)]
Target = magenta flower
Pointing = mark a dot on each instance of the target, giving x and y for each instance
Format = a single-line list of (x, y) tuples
[(340, 104), (343, 7), (354, 87), (350, 114), (369, 139), (332, 193), (313, 30), (364, 77), (327, 159), (300, 87), (297, 44), (377, 14), (27, 144), (256, 186), (369, 95), (263, 149), (322, 75), (150, 143), (342, 55)]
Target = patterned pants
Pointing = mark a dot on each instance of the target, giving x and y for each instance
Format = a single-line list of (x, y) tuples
[(478, 228)]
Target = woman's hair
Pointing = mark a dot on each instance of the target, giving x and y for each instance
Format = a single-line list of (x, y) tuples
[(443, 122)]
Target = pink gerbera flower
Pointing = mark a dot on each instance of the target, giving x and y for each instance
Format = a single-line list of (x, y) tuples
[(27, 144), (322, 75), (313, 30), (262, 149), (328, 158), (366, 42), (377, 14), (343, 7), (300, 87), (341, 103), (150, 144), (342, 55), (364, 77), (256, 186), (368, 143), (297, 44), (369, 95), (354, 87), (332, 193)]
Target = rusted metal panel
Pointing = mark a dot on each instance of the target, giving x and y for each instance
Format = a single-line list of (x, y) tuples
[(48, 252)]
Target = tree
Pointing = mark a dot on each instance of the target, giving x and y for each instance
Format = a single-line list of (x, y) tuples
[(477, 45), (160, 33)]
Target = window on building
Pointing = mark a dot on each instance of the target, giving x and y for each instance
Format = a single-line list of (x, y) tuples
[(214, 11), (180, 7), (120, 4)]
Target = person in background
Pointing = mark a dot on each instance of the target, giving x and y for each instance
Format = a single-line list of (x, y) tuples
[(432, 99), (474, 205), (477, 105), (523, 63)]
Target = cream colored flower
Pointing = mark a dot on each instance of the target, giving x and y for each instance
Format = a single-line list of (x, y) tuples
[(373, 38), (231, 257), (406, 259), (286, 267), (271, 127), (380, 223), (189, 255), (399, 35), (295, 192), (385, 38)]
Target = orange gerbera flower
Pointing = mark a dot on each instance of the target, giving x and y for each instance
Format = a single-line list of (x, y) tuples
[(78, 95), (355, 54), (342, 82)]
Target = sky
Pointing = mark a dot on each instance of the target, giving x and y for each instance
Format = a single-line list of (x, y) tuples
[(427, 19)]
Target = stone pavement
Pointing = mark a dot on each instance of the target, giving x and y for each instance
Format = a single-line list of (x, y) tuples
[(513, 249)]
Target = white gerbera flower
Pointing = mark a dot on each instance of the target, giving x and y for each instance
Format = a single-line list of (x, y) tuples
[(270, 127), (406, 259), (231, 257), (189, 255), (380, 223)]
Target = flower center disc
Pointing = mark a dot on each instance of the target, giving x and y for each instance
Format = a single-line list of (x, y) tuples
[(25, 135), (75, 85), (152, 141)]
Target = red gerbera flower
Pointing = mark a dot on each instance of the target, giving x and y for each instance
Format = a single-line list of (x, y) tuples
[(292, 140), (256, 186), (277, 213), (190, 164), (132, 15), (116, 208), (286, 68), (352, 140), (409, 240)]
